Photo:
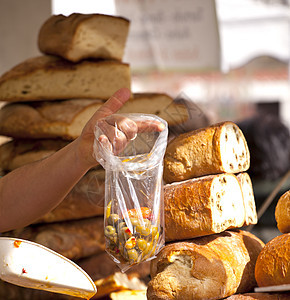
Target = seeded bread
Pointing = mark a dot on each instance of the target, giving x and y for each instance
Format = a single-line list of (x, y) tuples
[(66, 119), (249, 199), (202, 206), (209, 267), (282, 213), (273, 263), (81, 36), (220, 148), (51, 78)]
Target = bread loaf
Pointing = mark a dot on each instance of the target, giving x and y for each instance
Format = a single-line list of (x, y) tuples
[(129, 295), (81, 36), (17, 153), (202, 206), (209, 267), (85, 200), (273, 263), (74, 239), (159, 104), (66, 119), (282, 213), (249, 199), (51, 78), (117, 282), (220, 148), (260, 296)]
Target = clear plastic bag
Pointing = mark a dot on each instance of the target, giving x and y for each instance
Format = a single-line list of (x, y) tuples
[(133, 212)]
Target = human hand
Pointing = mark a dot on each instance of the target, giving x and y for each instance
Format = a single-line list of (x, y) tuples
[(118, 130)]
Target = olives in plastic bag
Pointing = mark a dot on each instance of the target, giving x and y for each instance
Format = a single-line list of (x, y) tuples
[(133, 212)]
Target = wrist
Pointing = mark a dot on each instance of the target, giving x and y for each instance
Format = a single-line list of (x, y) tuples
[(83, 155)]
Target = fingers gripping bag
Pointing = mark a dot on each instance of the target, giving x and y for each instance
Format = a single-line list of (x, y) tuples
[(131, 147)]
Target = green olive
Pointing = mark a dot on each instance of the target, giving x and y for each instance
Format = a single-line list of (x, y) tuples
[(132, 254), (143, 230), (134, 221), (125, 233), (154, 230), (109, 231), (120, 226), (146, 223), (113, 238), (113, 219), (142, 244), (148, 249), (130, 243)]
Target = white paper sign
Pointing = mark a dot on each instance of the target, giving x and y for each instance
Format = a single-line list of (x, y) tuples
[(171, 34)]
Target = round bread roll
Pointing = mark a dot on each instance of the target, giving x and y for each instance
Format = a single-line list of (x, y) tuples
[(282, 213), (273, 263)]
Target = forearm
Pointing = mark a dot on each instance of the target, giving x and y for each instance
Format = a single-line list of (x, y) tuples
[(33, 190)]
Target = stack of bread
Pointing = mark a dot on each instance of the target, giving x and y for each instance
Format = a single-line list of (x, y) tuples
[(208, 195), (207, 198), (47, 101), (272, 268)]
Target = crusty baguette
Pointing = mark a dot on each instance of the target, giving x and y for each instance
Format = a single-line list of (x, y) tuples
[(85, 200), (202, 206), (209, 267), (117, 282), (17, 153), (220, 148), (273, 263), (260, 296), (74, 239), (66, 119), (81, 36), (282, 213), (249, 199), (51, 78)]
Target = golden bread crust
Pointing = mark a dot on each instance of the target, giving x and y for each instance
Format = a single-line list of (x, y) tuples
[(209, 267)]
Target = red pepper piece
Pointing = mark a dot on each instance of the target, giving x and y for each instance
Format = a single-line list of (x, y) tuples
[(17, 244)]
